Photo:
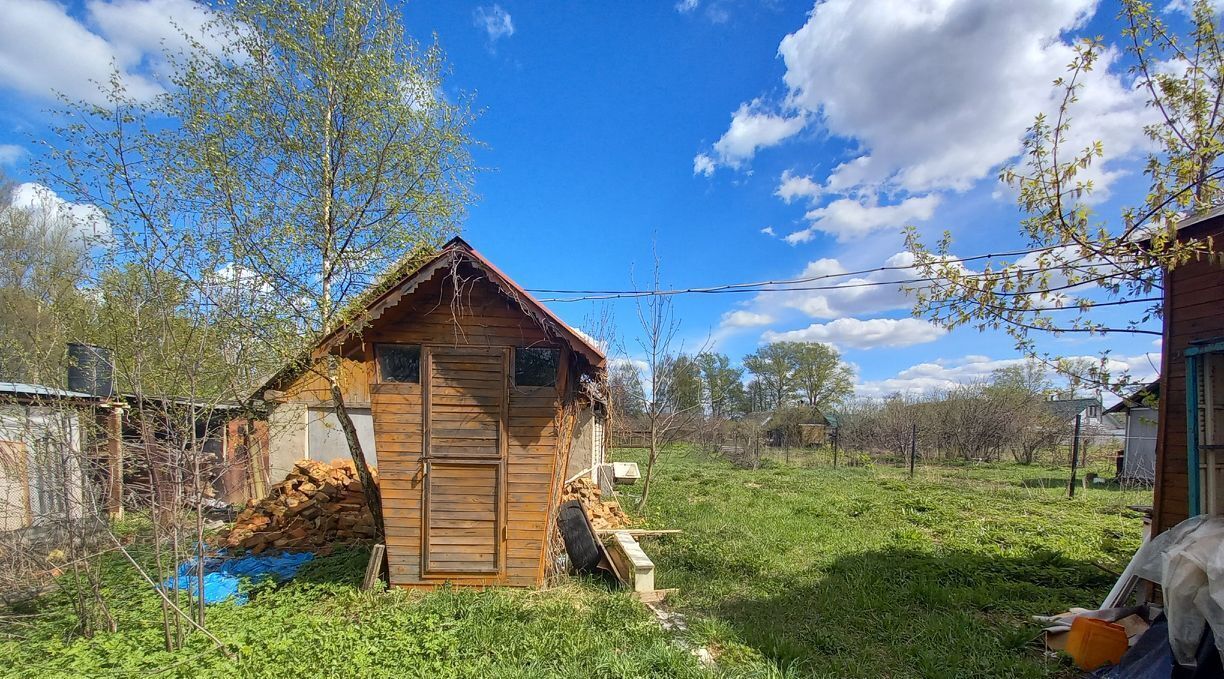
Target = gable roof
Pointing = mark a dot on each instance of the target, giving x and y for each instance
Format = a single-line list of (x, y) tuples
[(1070, 407), (458, 250), (1141, 398)]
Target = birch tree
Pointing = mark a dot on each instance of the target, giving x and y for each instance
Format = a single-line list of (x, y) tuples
[(300, 149)]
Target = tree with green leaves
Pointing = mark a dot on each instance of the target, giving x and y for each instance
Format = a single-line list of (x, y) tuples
[(773, 366), (1081, 261), (281, 172), (820, 374), (722, 384), (683, 383), (44, 266), (625, 392)]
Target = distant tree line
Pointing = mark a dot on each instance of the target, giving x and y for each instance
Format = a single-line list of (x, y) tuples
[(710, 385), (1005, 416)]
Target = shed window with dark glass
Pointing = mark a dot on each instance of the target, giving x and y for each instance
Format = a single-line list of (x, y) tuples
[(536, 366), (399, 362)]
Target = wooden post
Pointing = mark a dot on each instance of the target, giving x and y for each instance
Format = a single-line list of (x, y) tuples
[(374, 567), (1074, 457), (114, 455), (835, 432), (913, 447)]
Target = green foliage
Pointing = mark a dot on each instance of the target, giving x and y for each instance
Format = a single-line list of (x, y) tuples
[(43, 268), (773, 367), (299, 150), (810, 370), (683, 385), (723, 385)]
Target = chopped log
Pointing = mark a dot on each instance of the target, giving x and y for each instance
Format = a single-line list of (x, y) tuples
[(316, 507), (602, 514)]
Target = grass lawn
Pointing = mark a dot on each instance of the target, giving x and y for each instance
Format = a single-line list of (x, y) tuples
[(785, 570), (861, 572)]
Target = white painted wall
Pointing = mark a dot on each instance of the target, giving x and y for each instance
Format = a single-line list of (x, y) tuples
[(1139, 458), (325, 439), (51, 470)]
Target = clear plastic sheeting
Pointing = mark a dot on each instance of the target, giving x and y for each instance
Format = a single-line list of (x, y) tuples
[(1188, 563)]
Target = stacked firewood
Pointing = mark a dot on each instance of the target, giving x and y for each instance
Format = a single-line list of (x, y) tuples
[(316, 507), (604, 514)]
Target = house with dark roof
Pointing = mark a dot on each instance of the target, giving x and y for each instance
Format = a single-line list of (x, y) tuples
[(1065, 409)]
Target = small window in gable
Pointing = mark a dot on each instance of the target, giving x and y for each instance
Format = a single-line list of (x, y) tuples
[(536, 366), (399, 362)]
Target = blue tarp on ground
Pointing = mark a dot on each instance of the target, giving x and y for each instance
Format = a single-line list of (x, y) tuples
[(222, 575)]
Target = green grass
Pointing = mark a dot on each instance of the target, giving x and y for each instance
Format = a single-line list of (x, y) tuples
[(787, 570), (863, 572), (320, 624)]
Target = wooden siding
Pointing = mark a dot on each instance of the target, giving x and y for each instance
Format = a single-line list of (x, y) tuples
[(312, 387), (480, 318), (1193, 294)]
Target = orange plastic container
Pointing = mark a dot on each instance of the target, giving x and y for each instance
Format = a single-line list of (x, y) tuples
[(1092, 643)]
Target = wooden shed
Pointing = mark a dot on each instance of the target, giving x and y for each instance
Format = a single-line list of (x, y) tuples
[(474, 387), (1190, 427)]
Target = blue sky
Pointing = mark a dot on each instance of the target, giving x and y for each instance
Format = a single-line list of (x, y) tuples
[(699, 124)]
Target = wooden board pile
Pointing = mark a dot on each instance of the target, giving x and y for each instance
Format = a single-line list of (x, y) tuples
[(316, 507), (603, 514)]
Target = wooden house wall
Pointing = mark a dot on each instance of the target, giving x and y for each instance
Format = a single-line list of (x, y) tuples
[(482, 318), (312, 388), (1193, 295)]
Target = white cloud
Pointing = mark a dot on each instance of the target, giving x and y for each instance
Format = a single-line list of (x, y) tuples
[(869, 293), (45, 50), (852, 333), (752, 128), (863, 294), (87, 221), (11, 153), (1187, 6), (769, 231), (945, 373), (495, 21), (852, 218), (140, 29), (686, 6), (931, 376), (953, 83), (703, 164), (935, 96), (745, 319), (792, 186)]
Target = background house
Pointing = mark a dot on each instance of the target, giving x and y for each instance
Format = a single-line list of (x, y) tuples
[(42, 432), (1139, 415), (800, 426)]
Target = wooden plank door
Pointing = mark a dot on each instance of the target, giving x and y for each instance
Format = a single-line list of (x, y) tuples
[(465, 441)]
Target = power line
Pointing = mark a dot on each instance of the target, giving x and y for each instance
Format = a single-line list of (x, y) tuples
[(790, 281), (603, 295), (793, 284)]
